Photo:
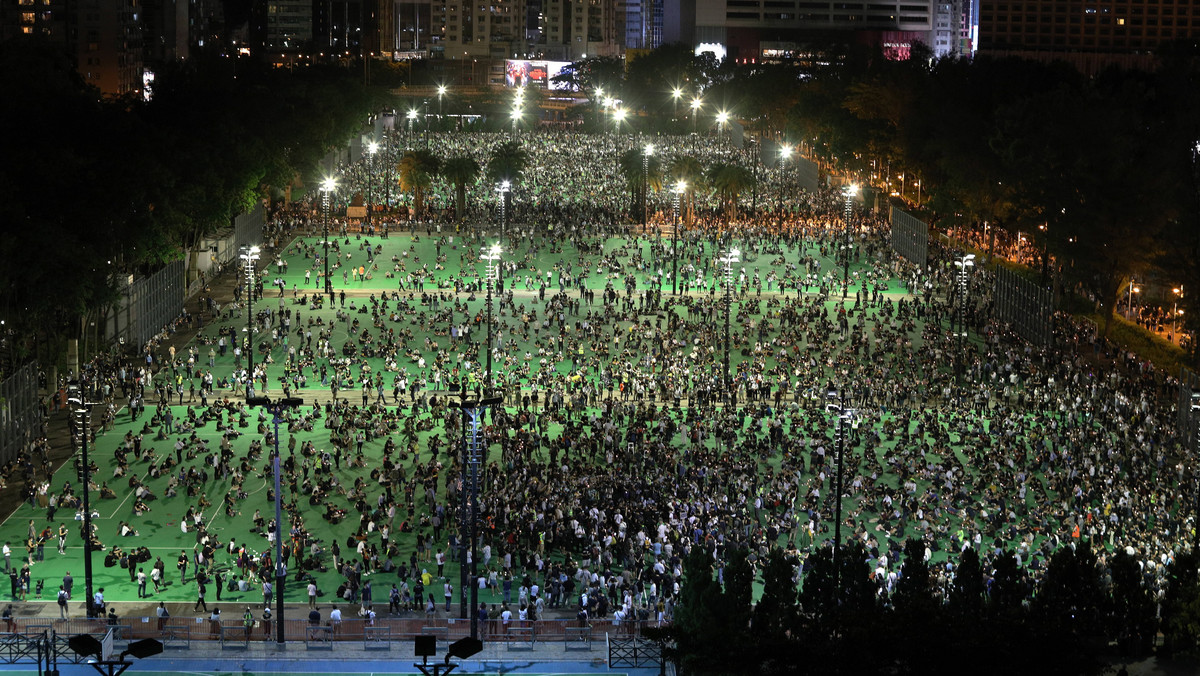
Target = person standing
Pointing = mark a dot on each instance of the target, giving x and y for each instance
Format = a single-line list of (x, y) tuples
[(200, 596), (68, 584), (141, 583), (182, 565), (62, 538), (266, 592), (449, 593), (312, 594), (62, 603)]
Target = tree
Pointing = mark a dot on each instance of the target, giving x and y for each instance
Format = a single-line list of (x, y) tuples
[(776, 613), (507, 163), (1181, 607), (1132, 620), (698, 627), (966, 596), (912, 589), (728, 181), (417, 169), (460, 171)]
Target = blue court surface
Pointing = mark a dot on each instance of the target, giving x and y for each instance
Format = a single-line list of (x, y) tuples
[(234, 667)]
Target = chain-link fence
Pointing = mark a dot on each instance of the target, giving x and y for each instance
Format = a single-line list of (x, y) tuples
[(1025, 306), (910, 237)]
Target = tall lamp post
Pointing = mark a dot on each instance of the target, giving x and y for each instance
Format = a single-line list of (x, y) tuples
[(276, 409), (1176, 312), (676, 93), (327, 187), (722, 118), (844, 415), (784, 153), (1133, 288), (492, 256), (441, 90), (503, 191), (680, 188), (647, 152), (848, 193), (515, 115), (964, 265), (695, 105), (618, 118), (248, 256), (372, 148), (412, 118), (82, 410), (728, 260)]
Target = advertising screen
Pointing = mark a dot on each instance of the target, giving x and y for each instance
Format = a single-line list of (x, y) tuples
[(519, 73)]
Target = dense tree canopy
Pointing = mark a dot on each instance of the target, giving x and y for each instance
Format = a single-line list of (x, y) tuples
[(106, 188)]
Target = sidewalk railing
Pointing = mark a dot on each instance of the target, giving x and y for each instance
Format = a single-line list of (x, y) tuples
[(183, 632)]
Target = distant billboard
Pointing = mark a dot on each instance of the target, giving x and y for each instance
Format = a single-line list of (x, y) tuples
[(518, 73)]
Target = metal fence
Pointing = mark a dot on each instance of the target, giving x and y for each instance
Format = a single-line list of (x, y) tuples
[(148, 304), (182, 632), (910, 237), (1189, 417), (20, 412), (1025, 306), (248, 228)]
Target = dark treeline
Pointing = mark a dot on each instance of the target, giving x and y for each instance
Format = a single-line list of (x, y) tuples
[(94, 189)]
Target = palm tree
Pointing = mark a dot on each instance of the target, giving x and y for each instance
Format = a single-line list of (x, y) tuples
[(460, 171), (417, 169), (630, 164), (728, 180), (507, 163), (687, 169)]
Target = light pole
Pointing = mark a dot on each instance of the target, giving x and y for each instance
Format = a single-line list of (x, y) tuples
[(276, 408), (648, 151), (618, 118), (248, 256), (372, 148), (784, 153), (516, 117), (327, 187), (844, 414), (676, 93), (728, 260), (680, 187), (1133, 288), (503, 191), (82, 410), (696, 103), (473, 452), (964, 265), (1175, 312), (441, 90), (412, 118), (492, 256), (722, 118), (849, 192)]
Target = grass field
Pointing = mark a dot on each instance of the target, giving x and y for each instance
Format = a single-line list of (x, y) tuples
[(424, 330)]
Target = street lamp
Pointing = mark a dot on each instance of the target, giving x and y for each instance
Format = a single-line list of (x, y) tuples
[(1175, 312), (516, 117), (492, 256), (412, 118), (248, 256), (372, 148), (327, 186), (648, 151), (504, 188), (964, 265), (722, 118), (680, 188), (82, 410), (1132, 290), (729, 260), (784, 153), (849, 192), (696, 103), (276, 408), (676, 93), (441, 90), (844, 415), (618, 118)]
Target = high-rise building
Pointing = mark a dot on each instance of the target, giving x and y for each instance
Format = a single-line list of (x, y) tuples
[(49, 19), (1090, 35), (105, 38), (468, 30), (750, 30), (573, 29), (165, 31)]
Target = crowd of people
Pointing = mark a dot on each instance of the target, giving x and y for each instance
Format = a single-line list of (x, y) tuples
[(618, 389)]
